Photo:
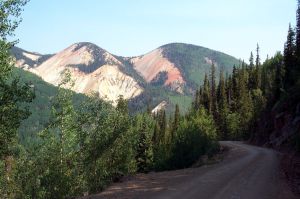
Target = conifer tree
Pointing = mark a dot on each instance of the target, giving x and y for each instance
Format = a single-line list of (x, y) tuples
[(229, 91), (251, 60), (289, 56), (235, 89), (222, 104), (156, 134), (206, 99), (163, 126), (122, 105), (257, 60), (144, 153), (257, 69), (298, 32), (213, 98), (279, 75), (221, 94), (176, 118), (196, 102)]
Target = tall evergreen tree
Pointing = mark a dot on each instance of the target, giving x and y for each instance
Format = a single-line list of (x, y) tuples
[(289, 56), (196, 102), (222, 104), (257, 60), (257, 69), (122, 105), (213, 104), (176, 118), (279, 75), (298, 32), (235, 87), (221, 94), (206, 97), (251, 60)]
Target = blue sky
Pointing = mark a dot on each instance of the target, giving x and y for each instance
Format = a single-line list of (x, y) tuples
[(134, 27)]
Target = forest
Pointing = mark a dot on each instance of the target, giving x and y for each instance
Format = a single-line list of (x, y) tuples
[(84, 149)]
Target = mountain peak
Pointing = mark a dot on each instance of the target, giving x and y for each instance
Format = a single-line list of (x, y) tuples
[(88, 46), (85, 56)]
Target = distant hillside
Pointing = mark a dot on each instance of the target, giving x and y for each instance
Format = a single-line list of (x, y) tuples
[(194, 61), (40, 107), (28, 59)]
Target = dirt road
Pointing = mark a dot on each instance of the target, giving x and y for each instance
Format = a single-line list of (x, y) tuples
[(246, 172)]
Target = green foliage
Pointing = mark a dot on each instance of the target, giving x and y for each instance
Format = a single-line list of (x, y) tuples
[(13, 99), (233, 126), (144, 125), (12, 112), (40, 107), (106, 143), (195, 136)]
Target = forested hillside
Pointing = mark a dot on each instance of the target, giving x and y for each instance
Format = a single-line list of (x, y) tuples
[(40, 107)]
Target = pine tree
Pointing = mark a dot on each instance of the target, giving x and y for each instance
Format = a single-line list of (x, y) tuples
[(235, 88), (229, 91), (257, 60), (244, 105), (206, 99), (144, 153), (296, 72), (163, 126), (156, 134), (221, 95), (298, 33), (279, 75), (289, 56), (122, 105), (257, 69), (213, 97), (196, 102), (222, 105), (251, 60), (176, 118)]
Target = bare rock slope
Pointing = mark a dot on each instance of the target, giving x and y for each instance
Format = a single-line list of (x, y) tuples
[(93, 70), (151, 64)]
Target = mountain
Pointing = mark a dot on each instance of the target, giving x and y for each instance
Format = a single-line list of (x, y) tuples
[(194, 61), (169, 73), (93, 70)]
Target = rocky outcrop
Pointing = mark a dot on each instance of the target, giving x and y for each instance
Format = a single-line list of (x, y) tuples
[(159, 107)]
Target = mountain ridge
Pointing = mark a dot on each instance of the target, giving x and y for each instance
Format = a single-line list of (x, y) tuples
[(176, 67)]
